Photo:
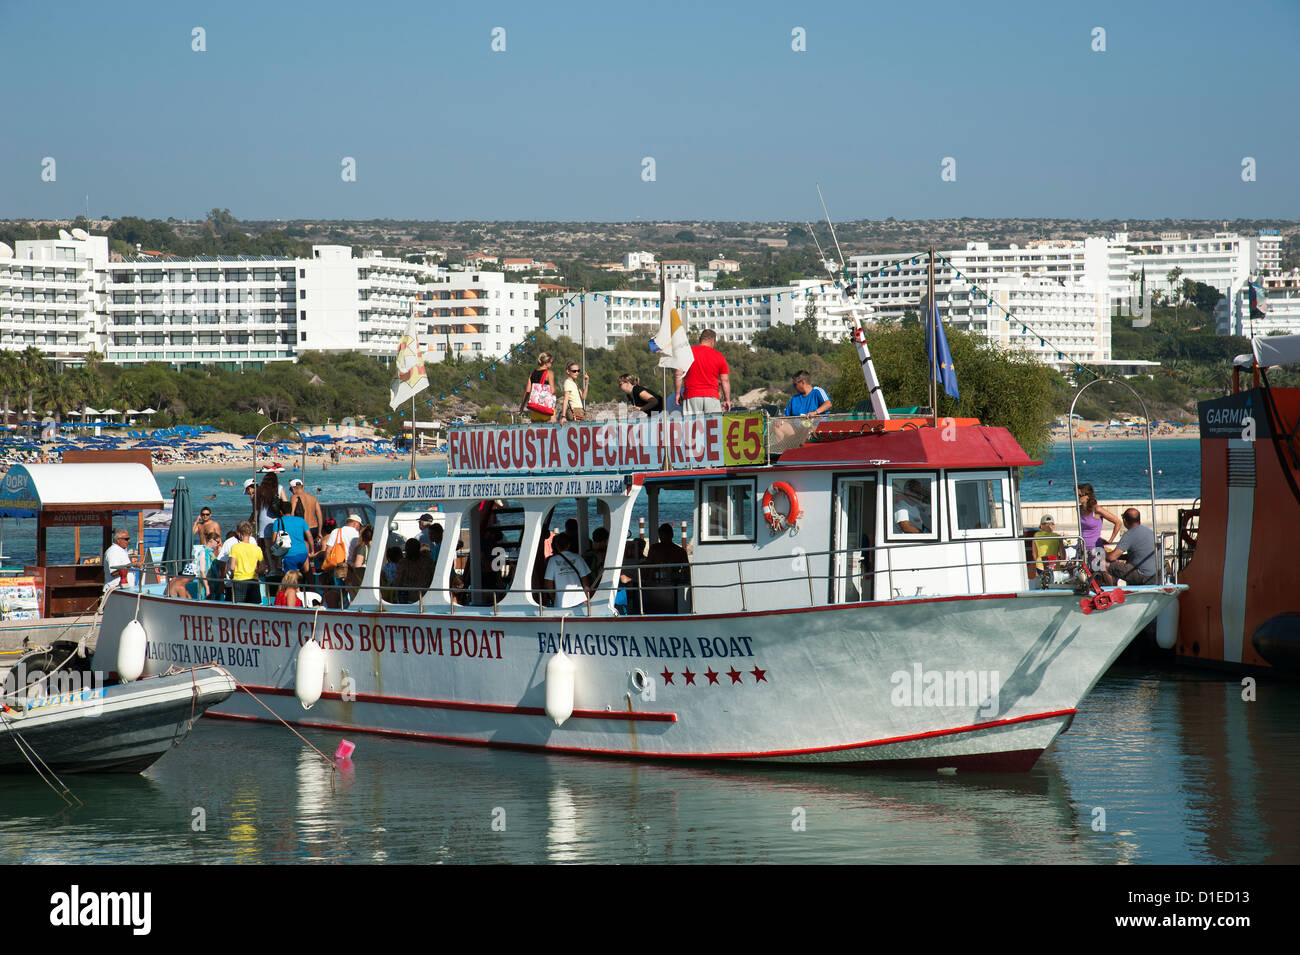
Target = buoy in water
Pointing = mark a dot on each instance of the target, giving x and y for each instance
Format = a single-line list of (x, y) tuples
[(130, 652), (559, 688), (309, 681)]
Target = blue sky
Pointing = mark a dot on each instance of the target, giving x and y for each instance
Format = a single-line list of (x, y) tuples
[(740, 126)]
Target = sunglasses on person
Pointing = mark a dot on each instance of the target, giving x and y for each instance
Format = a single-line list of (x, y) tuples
[(574, 371)]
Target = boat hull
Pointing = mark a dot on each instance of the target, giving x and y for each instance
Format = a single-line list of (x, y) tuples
[(122, 728), (984, 682)]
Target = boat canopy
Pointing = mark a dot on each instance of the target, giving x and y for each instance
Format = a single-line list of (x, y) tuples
[(28, 489), (1271, 350)]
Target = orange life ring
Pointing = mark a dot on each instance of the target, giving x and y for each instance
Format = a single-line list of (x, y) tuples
[(775, 519)]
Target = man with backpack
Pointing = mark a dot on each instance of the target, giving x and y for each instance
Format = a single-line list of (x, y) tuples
[(291, 539), (340, 548)]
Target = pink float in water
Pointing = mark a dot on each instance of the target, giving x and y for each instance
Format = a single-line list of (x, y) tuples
[(345, 750)]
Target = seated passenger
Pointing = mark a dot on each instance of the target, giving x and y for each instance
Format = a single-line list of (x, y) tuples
[(667, 571), (912, 508), (288, 595), (1048, 546), (628, 598), (567, 575)]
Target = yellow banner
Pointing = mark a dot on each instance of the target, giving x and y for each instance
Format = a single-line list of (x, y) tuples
[(743, 439)]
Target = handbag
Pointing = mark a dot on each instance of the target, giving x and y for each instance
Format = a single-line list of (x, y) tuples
[(281, 543), (541, 399)]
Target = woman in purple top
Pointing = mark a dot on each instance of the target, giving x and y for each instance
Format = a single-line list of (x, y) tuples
[(1091, 515)]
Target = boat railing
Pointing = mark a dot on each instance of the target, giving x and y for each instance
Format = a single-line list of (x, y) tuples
[(671, 588)]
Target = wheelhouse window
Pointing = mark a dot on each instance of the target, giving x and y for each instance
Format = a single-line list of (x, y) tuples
[(912, 515), (727, 511), (980, 505)]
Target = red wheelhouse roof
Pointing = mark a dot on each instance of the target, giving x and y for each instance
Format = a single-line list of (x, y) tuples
[(969, 446)]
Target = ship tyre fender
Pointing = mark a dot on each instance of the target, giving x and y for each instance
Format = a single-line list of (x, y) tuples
[(309, 678), (130, 652), (775, 519)]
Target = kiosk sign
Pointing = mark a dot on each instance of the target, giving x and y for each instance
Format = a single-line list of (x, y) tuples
[(703, 441)]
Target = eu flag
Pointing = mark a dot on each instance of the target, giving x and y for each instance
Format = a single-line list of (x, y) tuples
[(944, 371)]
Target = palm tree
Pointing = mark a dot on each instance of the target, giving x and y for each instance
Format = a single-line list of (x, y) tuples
[(9, 383), (34, 370)]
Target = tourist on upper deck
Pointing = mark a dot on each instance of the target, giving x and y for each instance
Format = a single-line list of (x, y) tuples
[(697, 390), (571, 405), (667, 570), (118, 561), (641, 396), (541, 391), (1091, 514), (808, 400), (912, 508), (567, 575), (1135, 563)]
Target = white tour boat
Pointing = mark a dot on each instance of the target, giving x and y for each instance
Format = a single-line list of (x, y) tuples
[(857, 593)]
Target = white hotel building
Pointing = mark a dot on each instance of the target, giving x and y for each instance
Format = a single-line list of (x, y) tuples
[(66, 298), (735, 314)]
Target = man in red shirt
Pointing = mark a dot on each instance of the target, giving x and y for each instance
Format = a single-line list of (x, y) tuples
[(697, 389)]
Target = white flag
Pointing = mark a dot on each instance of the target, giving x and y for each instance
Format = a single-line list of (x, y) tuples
[(411, 377), (674, 347)]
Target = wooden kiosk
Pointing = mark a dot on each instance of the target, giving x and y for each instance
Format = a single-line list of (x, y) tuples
[(77, 494)]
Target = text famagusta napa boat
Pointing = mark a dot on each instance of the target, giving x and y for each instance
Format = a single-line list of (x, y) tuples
[(857, 593)]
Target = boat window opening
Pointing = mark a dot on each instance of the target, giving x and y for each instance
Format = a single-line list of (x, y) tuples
[(727, 511), (979, 505), (578, 518), (488, 559), (912, 515)]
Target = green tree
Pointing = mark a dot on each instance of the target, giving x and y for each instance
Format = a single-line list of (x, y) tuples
[(1004, 388)]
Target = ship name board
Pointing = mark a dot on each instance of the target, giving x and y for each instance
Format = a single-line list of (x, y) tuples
[(705, 441)]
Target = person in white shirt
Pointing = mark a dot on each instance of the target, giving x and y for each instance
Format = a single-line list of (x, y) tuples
[(117, 560), (567, 574), (911, 509)]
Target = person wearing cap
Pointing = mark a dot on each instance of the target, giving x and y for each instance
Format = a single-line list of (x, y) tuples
[(306, 506), (350, 534), (1048, 546)]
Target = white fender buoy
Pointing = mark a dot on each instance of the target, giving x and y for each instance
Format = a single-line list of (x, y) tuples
[(309, 681), (559, 688), (1167, 626), (130, 652)]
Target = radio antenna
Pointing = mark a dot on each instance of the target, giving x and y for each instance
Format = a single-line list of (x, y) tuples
[(835, 239)]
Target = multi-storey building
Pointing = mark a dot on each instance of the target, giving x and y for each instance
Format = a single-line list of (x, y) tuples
[(66, 298), (735, 314), (1281, 309), (475, 314), (51, 296)]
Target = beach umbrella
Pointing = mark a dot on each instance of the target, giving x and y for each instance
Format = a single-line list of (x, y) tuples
[(177, 551)]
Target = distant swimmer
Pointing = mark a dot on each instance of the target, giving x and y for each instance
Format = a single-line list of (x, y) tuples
[(211, 497)]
